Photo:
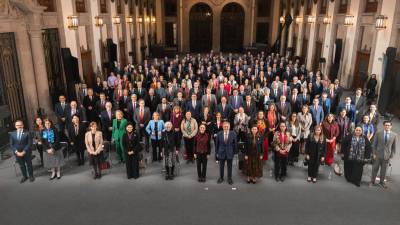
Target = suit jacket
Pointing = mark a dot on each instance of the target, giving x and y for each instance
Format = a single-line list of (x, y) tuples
[(360, 104), (133, 144), (117, 133), (219, 94), (152, 103), (22, 145), (151, 127), (326, 106), (140, 94), (146, 117), (226, 112), (90, 113), (384, 150), (99, 107), (275, 96), (79, 111), (236, 104), (226, 150), (196, 111), (98, 142), (317, 115), (250, 111), (77, 139), (285, 111), (295, 105), (213, 102), (166, 113), (106, 121), (351, 113), (60, 112), (304, 100)]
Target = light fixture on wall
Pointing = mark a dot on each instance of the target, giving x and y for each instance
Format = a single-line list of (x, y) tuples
[(72, 22), (153, 19), (116, 20), (311, 19), (299, 19), (129, 19), (98, 21), (326, 20), (348, 20), (282, 19), (380, 23), (140, 19), (147, 19)]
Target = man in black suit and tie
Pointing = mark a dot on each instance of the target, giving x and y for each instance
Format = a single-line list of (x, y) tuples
[(152, 100), (61, 109), (74, 109), (236, 101), (20, 143), (225, 109), (249, 106), (164, 110), (101, 104), (284, 108), (131, 108), (89, 103), (226, 148), (140, 91), (295, 101), (76, 134), (360, 102), (221, 93), (107, 117), (194, 106), (275, 92)]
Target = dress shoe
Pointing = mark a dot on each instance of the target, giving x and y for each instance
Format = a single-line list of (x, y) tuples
[(53, 177), (200, 180), (58, 177), (230, 181), (371, 184), (277, 179), (204, 180), (23, 180), (220, 180), (31, 179), (253, 182), (383, 185), (282, 179), (248, 181)]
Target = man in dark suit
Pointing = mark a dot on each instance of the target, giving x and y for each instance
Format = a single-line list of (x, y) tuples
[(61, 109), (305, 98), (107, 117), (140, 92), (350, 109), (74, 109), (295, 101), (225, 109), (317, 112), (275, 92), (20, 144), (152, 100), (101, 104), (164, 110), (284, 109), (131, 108), (221, 92), (249, 106), (180, 101), (226, 148), (194, 107), (209, 100), (76, 134), (142, 118), (236, 101), (360, 102), (89, 103)]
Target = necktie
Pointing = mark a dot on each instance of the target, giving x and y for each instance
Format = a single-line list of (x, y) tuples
[(386, 137), (209, 99), (141, 115), (347, 107), (109, 114), (76, 130), (102, 103), (19, 135), (194, 104), (283, 107), (225, 137), (63, 106)]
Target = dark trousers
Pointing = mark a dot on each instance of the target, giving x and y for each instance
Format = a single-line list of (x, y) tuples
[(80, 154), (132, 166), (25, 163), (382, 164), (95, 160), (222, 168), (143, 134), (313, 166), (189, 145), (280, 165), (353, 171), (201, 162), (294, 152), (40, 150), (178, 140), (157, 149)]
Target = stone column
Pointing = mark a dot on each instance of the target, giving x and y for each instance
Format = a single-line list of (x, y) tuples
[(283, 35), (216, 42), (114, 28), (252, 22), (312, 38), (128, 32), (146, 24), (330, 35), (291, 29), (159, 21), (350, 46), (180, 31), (137, 36), (275, 20), (39, 62), (300, 35), (383, 37), (94, 11)]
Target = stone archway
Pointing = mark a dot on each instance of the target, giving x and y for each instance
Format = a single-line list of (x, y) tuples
[(200, 24)]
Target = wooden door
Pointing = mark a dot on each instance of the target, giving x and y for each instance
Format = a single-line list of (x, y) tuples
[(200, 23), (317, 55), (87, 68), (304, 49), (122, 53), (232, 28), (361, 69)]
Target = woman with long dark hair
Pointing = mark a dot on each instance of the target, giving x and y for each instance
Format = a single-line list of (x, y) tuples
[(294, 130), (38, 127), (254, 153), (132, 148), (315, 152), (282, 143)]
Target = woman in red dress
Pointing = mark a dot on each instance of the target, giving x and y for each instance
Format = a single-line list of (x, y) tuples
[(262, 125), (330, 129)]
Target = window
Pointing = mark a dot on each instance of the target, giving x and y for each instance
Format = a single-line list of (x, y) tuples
[(170, 7), (324, 5), (80, 6), (371, 6), (343, 6), (263, 8), (49, 4), (103, 6)]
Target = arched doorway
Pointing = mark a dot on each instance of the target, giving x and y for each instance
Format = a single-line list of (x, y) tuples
[(232, 28), (200, 24)]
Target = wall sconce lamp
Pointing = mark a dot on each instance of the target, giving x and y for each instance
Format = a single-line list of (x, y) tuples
[(282, 19), (299, 19), (129, 19), (116, 20), (311, 19), (140, 19), (72, 22), (326, 20), (348, 20), (98, 21), (380, 23)]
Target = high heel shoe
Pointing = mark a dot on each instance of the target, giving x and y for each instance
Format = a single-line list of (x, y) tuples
[(58, 177), (52, 177)]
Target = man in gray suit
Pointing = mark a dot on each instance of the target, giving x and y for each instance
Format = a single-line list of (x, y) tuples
[(384, 148), (142, 118), (20, 143)]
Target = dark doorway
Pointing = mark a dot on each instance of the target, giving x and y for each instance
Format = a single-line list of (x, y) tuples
[(87, 68), (200, 23), (12, 106), (361, 69), (52, 53), (317, 55), (232, 28)]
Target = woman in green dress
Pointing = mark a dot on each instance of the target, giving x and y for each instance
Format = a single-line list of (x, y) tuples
[(118, 131)]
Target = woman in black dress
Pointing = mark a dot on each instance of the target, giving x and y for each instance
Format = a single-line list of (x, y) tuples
[(132, 148), (254, 152), (170, 153), (356, 150), (315, 152)]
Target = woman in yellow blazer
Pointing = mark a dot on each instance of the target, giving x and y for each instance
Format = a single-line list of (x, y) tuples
[(94, 146), (118, 131)]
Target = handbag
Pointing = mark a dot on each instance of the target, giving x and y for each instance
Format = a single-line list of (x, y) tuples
[(105, 165)]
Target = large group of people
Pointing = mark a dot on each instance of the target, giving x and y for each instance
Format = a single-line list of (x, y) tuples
[(263, 108)]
